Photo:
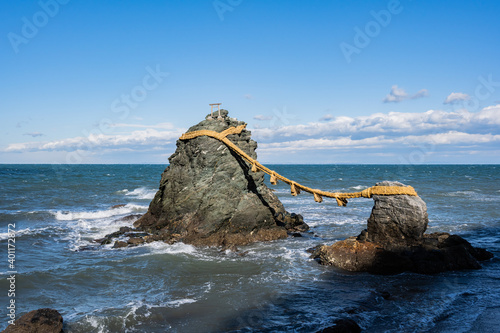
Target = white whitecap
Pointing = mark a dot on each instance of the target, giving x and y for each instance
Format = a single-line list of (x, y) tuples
[(164, 248), (99, 214), (178, 302), (26, 231), (141, 193)]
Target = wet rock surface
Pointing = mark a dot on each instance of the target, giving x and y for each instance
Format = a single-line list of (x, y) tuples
[(208, 194), (395, 242), (38, 321)]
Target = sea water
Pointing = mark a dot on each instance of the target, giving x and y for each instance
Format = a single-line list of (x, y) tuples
[(58, 210)]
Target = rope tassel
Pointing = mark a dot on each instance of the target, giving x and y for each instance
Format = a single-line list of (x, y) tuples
[(294, 190), (318, 198), (341, 201), (254, 168), (274, 181)]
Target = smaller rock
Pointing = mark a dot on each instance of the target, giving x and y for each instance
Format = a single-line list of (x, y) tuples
[(104, 241), (125, 229), (118, 206), (342, 326), (87, 248), (135, 240), (151, 238), (395, 242), (397, 219), (129, 218), (363, 236), (349, 254), (292, 222), (438, 253), (38, 321), (385, 295), (136, 234), (119, 244), (115, 234)]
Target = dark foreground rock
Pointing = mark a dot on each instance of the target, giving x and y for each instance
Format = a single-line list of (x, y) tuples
[(208, 194), (37, 321), (395, 242)]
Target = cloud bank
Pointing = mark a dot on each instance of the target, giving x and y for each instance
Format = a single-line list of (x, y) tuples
[(143, 139), (380, 133), (387, 131)]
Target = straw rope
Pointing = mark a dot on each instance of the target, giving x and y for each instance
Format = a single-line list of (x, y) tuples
[(296, 188)]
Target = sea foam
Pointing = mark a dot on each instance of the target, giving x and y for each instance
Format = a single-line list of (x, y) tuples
[(99, 214)]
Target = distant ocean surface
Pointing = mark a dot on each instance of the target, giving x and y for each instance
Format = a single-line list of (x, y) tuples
[(275, 287)]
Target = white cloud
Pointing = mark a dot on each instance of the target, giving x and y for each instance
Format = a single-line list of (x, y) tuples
[(148, 137), (454, 98), (449, 138), (392, 123), (248, 96), (399, 94), (489, 115)]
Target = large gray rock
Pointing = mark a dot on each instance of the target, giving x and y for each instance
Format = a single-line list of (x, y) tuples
[(209, 196), (397, 219)]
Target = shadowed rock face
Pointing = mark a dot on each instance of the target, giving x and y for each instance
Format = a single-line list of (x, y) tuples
[(39, 321), (209, 196), (394, 242)]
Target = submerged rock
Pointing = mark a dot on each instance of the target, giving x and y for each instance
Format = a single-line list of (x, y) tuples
[(394, 242), (37, 321), (119, 244), (342, 326), (208, 194)]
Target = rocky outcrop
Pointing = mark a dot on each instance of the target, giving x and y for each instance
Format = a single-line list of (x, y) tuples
[(395, 242), (208, 195), (37, 321)]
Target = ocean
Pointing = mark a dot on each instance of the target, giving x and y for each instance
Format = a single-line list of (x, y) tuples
[(58, 210)]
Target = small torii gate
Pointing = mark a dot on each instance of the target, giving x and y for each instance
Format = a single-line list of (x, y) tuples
[(212, 111)]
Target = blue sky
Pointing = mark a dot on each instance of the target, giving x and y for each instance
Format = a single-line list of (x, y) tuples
[(316, 81)]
